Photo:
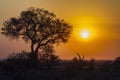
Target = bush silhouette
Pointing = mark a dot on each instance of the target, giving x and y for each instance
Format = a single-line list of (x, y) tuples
[(92, 64), (47, 57), (75, 67), (116, 65), (106, 67), (16, 61)]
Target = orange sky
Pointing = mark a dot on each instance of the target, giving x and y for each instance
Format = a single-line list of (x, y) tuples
[(100, 17)]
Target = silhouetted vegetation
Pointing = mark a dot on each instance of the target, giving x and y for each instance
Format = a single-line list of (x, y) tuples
[(39, 27), (43, 29), (78, 63), (47, 57), (16, 61), (92, 65), (18, 66)]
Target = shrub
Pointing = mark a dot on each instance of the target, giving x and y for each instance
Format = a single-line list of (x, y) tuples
[(75, 66), (16, 61), (116, 64)]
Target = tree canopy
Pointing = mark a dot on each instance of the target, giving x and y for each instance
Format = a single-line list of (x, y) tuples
[(37, 26)]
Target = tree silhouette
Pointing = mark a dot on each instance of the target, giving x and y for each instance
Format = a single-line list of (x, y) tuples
[(47, 56), (39, 27)]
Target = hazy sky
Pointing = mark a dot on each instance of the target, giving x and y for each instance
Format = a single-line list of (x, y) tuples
[(100, 17)]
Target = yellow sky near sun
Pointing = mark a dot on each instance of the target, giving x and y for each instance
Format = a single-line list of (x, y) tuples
[(100, 17)]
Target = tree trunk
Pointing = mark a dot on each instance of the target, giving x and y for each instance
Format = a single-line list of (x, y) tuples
[(32, 47), (34, 56), (34, 59)]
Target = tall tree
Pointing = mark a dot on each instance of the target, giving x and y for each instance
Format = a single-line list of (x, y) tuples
[(39, 27)]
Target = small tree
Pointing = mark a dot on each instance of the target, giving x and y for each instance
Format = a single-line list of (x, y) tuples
[(92, 64), (47, 55), (39, 27)]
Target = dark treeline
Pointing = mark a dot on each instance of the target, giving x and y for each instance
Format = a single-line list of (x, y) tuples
[(18, 67)]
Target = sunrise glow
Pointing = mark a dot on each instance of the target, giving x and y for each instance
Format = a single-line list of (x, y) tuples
[(85, 34)]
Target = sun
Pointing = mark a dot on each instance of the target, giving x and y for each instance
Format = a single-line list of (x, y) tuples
[(85, 34)]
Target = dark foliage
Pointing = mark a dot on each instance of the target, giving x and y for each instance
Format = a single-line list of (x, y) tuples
[(73, 67), (47, 57), (92, 64), (16, 61), (106, 67), (39, 27), (16, 67), (116, 65)]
